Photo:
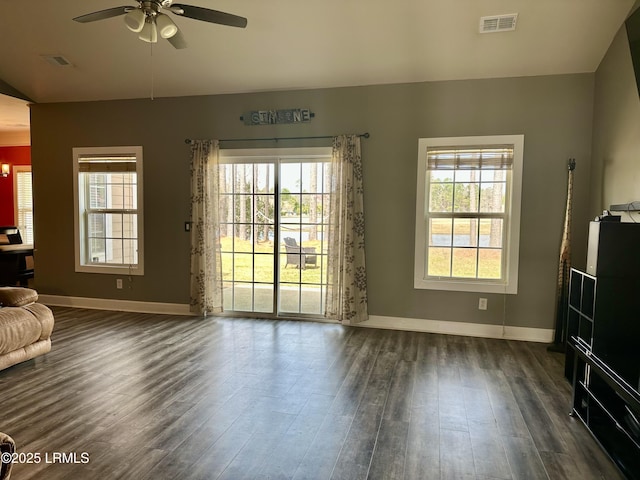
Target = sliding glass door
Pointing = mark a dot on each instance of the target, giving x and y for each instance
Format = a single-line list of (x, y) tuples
[(273, 218)]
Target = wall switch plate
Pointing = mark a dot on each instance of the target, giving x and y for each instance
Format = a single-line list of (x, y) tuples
[(187, 226), (482, 304), (118, 283)]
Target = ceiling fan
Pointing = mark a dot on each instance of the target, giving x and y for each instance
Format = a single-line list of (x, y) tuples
[(149, 21)]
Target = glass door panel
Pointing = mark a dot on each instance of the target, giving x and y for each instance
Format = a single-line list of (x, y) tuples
[(302, 279), (247, 228)]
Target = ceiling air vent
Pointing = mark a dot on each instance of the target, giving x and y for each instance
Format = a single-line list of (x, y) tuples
[(498, 23), (57, 60)]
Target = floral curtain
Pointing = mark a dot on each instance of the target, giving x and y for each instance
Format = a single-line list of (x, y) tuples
[(206, 263), (346, 299)]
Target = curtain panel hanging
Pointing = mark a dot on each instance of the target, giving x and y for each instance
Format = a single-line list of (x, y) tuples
[(346, 299), (206, 262)]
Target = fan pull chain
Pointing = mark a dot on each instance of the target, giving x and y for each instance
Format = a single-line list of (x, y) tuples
[(152, 76)]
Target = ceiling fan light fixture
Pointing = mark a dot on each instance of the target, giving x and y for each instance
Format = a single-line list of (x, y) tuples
[(135, 20), (149, 32), (165, 25)]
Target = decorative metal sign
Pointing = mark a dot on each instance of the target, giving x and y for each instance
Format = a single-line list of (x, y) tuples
[(272, 117)]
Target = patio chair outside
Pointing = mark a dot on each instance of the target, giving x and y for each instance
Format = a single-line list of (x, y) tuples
[(299, 256)]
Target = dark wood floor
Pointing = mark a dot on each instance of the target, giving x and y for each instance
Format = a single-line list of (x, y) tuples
[(162, 397)]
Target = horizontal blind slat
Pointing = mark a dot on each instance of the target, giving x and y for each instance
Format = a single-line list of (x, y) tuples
[(499, 157), (107, 163)]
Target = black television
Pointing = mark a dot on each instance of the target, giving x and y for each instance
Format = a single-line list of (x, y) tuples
[(632, 25)]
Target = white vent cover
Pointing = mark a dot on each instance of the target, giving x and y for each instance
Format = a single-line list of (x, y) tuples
[(57, 60), (498, 23)]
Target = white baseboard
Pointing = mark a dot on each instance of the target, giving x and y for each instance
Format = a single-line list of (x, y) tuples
[(116, 305), (528, 334), (542, 335)]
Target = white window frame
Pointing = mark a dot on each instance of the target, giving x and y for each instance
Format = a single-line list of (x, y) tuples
[(506, 285), (82, 264), (17, 170)]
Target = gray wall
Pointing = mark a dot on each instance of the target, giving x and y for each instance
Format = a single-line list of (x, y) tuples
[(554, 113), (616, 130)]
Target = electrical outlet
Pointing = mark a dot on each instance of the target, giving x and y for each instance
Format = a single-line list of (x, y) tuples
[(482, 304), (119, 283)]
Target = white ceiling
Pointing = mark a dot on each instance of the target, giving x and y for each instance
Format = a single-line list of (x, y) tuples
[(14, 114), (294, 44)]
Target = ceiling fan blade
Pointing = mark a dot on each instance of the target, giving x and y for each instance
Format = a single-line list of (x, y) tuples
[(102, 14), (211, 16), (178, 41)]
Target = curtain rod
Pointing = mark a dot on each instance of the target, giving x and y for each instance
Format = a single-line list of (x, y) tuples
[(276, 139)]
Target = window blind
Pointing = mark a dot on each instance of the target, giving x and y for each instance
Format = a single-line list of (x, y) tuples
[(111, 163), (498, 157), (24, 204)]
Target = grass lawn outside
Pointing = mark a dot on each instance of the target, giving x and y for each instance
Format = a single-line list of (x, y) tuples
[(248, 276), (254, 262), (463, 262)]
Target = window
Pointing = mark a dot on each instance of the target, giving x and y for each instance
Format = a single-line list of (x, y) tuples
[(23, 201), (468, 213), (108, 202)]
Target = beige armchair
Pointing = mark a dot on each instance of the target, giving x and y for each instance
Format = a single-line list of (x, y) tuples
[(7, 445)]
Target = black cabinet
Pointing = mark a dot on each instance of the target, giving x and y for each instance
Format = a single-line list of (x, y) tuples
[(604, 316), (609, 407), (580, 313), (603, 362)]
